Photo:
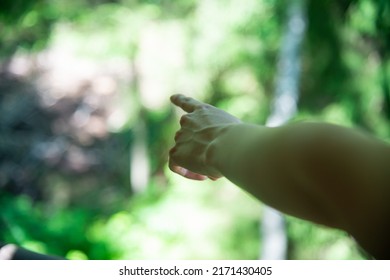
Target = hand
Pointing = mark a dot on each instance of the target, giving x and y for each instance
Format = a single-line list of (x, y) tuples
[(190, 157)]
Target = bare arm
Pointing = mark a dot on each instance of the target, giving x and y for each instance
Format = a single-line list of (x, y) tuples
[(319, 172)]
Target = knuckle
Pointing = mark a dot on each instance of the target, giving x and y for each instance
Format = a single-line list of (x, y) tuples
[(204, 107), (177, 135), (187, 99), (171, 167), (172, 151), (184, 119)]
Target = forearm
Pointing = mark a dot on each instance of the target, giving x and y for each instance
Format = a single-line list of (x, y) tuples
[(256, 159), (303, 170)]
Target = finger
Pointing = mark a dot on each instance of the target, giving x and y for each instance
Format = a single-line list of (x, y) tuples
[(183, 171), (188, 104), (192, 175), (213, 178), (184, 119), (187, 173), (177, 135)]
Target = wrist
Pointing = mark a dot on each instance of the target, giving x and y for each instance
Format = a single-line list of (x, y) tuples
[(220, 151)]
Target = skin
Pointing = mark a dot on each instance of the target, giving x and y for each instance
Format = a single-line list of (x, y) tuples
[(327, 174)]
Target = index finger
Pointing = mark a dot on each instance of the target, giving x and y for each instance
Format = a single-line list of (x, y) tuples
[(188, 104)]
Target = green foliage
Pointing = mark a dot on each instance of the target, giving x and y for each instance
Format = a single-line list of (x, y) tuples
[(43, 230), (155, 224), (308, 242), (344, 64), (175, 226)]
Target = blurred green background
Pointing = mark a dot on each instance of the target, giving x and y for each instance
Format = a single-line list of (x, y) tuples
[(86, 124)]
